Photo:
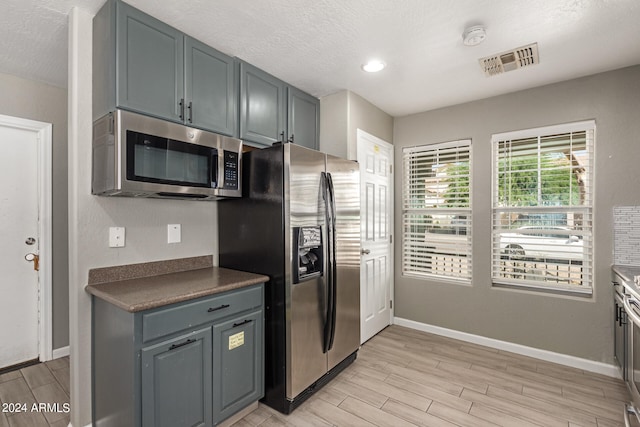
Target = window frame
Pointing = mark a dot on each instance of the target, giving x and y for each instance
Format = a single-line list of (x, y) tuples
[(411, 246), (587, 233)]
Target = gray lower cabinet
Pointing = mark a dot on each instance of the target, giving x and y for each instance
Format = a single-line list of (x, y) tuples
[(273, 111), (144, 65), (176, 381), (238, 374), (188, 364)]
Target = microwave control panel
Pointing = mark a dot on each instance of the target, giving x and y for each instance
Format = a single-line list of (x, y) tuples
[(231, 170)]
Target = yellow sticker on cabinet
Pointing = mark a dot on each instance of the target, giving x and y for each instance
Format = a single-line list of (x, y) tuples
[(236, 340)]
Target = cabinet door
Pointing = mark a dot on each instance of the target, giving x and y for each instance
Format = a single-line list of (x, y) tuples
[(150, 70), (176, 381), (262, 106), (237, 364), (303, 118), (210, 89)]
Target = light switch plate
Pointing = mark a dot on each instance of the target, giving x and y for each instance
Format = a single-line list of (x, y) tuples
[(174, 232), (116, 237)]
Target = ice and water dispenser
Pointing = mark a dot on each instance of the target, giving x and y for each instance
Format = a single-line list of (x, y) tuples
[(308, 260)]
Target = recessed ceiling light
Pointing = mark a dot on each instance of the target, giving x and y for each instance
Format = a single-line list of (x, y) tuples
[(373, 66), (474, 35)]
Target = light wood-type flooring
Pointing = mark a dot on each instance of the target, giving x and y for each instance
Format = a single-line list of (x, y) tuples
[(404, 377), (44, 383), (401, 377)]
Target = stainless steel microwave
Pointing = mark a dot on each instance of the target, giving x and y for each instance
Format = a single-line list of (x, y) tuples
[(141, 156)]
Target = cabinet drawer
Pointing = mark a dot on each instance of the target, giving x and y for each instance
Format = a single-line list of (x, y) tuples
[(172, 319)]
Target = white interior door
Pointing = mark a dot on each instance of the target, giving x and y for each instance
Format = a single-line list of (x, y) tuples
[(375, 157), (20, 244)]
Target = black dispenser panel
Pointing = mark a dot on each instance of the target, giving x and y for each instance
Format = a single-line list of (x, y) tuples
[(308, 258)]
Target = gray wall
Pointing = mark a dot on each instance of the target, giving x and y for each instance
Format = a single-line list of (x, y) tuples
[(575, 326), (334, 124), (341, 115), (38, 101)]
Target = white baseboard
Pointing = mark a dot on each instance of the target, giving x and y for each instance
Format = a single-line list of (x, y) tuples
[(549, 356), (60, 352)]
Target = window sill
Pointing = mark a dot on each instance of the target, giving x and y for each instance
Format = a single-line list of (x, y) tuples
[(583, 292), (439, 279)]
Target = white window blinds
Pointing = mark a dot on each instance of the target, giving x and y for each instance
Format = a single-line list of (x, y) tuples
[(542, 208), (436, 211)]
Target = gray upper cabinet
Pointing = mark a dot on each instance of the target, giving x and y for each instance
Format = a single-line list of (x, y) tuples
[(210, 89), (303, 118), (150, 56), (272, 111), (262, 106), (160, 71), (144, 65)]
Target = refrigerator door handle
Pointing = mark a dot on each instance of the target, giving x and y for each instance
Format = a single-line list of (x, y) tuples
[(334, 267), (329, 276)]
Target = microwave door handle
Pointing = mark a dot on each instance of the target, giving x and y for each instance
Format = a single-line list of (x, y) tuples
[(214, 170), (631, 313)]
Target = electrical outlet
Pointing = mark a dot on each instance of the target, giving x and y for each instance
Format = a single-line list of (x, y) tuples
[(116, 237), (174, 232)]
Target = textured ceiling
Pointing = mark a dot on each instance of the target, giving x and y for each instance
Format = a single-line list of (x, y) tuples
[(319, 45)]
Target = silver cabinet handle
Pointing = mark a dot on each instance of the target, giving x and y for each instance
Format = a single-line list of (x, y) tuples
[(365, 251), (628, 300), (629, 409)]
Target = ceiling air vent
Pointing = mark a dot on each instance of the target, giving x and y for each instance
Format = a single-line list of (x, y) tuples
[(524, 56)]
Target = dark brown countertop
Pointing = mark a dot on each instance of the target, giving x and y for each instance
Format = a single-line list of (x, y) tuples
[(144, 293)]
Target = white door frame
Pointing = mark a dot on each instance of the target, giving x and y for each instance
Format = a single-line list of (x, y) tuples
[(44, 164), (362, 134)]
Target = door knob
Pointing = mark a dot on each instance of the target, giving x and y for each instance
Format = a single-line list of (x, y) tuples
[(31, 257), (365, 251)]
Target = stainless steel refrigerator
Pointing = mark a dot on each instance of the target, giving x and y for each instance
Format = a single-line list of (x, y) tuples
[(299, 223)]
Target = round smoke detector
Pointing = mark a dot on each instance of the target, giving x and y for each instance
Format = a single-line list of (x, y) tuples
[(473, 36)]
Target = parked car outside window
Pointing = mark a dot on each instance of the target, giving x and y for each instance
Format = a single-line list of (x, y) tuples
[(545, 242)]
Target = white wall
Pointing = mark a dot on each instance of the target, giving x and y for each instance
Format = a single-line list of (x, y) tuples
[(91, 216)]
